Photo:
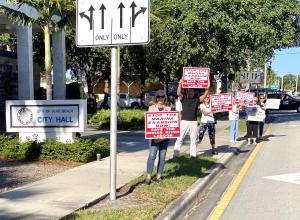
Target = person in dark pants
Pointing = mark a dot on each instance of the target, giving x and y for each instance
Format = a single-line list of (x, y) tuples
[(207, 123), (261, 102), (252, 123), (157, 145)]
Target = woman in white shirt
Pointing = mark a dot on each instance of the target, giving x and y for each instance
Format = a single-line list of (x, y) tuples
[(207, 122)]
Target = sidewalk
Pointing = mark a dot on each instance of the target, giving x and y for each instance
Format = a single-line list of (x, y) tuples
[(60, 195)]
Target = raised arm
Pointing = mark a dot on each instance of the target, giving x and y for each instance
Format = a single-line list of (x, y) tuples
[(179, 89), (202, 97)]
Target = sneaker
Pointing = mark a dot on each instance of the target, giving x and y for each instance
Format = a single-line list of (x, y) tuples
[(147, 181), (249, 143), (192, 158), (232, 141)]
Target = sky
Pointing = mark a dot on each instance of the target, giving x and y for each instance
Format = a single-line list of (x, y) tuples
[(286, 61)]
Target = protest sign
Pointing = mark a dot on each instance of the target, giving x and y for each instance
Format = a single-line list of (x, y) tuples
[(159, 125), (244, 98), (221, 102), (272, 103), (195, 77)]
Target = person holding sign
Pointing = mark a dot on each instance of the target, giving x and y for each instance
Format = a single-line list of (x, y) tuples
[(190, 99), (234, 121), (157, 145), (207, 122), (262, 103), (255, 115)]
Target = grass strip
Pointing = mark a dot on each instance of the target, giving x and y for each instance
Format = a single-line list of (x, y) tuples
[(179, 175), (242, 126)]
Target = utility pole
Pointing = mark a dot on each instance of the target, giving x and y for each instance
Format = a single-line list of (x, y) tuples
[(296, 85)]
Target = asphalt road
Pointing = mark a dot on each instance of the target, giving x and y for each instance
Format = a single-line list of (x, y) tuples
[(271, 186)]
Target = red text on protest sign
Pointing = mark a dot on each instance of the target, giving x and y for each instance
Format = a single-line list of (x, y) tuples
[(195, 77), (159, 125), (221, 102), (244, 98)]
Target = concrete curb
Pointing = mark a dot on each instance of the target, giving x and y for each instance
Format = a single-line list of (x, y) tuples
[(178, 208)]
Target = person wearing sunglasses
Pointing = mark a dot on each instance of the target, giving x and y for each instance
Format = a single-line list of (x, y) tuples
[(157, 145), (190, 99), (208, 122)]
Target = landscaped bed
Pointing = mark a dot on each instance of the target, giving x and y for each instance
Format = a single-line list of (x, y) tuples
[(139, 201)]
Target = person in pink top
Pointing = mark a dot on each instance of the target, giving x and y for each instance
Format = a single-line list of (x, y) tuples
[(157, 145)]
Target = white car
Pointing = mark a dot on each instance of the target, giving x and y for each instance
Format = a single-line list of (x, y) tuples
[(125, 102)]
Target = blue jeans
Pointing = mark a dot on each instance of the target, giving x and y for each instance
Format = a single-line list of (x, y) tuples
[(162, 150), (234, 124)]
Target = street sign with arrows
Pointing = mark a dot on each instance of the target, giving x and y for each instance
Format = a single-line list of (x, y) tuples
[(112, 23)]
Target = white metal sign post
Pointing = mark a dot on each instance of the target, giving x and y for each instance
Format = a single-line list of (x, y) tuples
[(112, 23)]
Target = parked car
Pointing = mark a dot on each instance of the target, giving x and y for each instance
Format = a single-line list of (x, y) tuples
[(126, 101), (287, 102)]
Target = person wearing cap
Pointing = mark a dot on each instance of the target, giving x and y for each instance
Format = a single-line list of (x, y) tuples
[(157, 145), (190, 99)]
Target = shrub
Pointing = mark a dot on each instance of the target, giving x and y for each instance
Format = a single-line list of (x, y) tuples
[(100, 118), (131, 119), (11, 148), (81, 150)]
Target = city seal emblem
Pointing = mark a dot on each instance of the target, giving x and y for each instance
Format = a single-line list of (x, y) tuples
[(25, 116)]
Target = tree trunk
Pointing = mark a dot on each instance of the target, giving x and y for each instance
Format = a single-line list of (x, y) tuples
[(48, 75)]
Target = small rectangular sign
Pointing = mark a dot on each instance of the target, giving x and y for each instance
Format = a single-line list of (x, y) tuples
[(251, 77), (195, 77), (244, 98), (159, 125), (273, 103), (46, 116), (221, 102), (276, 87)]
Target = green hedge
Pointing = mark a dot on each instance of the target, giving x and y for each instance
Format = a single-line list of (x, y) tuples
[(130, 119), (81, 150)]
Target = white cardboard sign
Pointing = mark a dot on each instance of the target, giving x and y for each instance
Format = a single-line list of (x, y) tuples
[(273, 103)]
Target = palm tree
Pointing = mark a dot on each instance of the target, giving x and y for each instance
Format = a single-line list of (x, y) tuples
[(49, 11)]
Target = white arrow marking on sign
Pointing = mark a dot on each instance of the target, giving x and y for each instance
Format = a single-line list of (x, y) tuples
[(289, 178)]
